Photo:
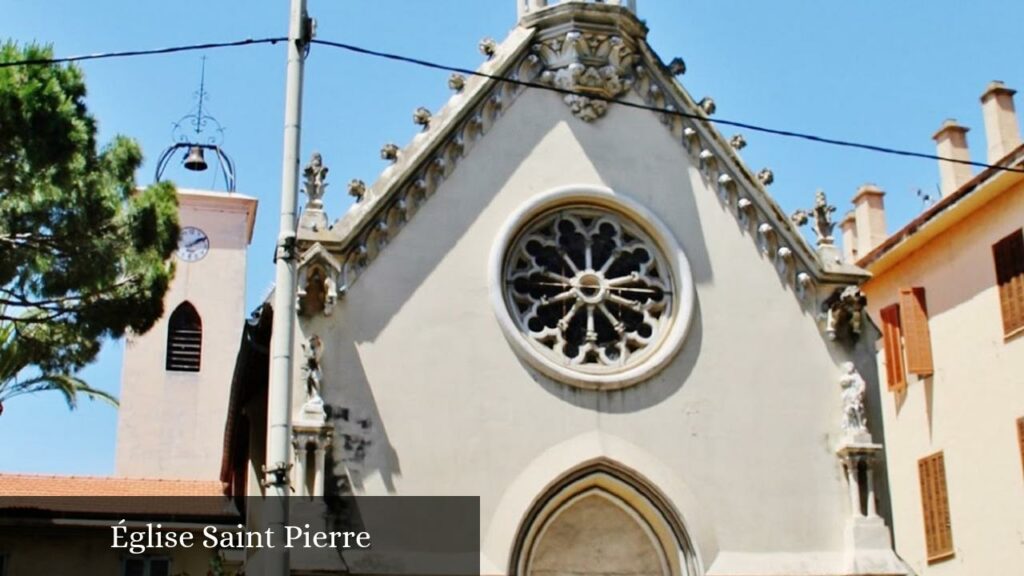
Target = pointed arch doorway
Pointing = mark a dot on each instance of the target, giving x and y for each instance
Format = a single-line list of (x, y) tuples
[(602, 520)]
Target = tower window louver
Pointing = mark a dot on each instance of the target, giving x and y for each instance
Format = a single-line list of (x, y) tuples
[(184, 339)]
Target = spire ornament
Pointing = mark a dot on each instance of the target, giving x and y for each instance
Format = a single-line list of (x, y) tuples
[(315, 185), (821, 212)]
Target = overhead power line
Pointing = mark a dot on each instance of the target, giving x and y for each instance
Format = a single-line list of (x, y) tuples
[(151, 52), (669, 111), (525, 83)]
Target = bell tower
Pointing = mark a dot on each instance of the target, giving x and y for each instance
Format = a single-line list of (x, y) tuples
[(176, 378)]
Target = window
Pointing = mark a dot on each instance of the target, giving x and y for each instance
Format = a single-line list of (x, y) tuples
[(1008, 254), (907, 338), (938, 531), (590, 288), (146, 566), (184, 339)]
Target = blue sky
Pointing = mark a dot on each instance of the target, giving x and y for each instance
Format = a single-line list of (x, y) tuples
[(874, 71)]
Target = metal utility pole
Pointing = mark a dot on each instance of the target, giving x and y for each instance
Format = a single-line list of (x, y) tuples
[(300, 32)]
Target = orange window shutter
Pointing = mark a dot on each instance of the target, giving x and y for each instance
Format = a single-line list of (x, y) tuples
[(917, 338), (935, 507), (1009, 259), (891, 340)]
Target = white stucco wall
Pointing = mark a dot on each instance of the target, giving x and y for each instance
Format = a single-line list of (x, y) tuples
[(969, 407), (739, 431)]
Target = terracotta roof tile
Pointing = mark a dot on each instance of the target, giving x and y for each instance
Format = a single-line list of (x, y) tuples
[(95, 497), (33, 485)]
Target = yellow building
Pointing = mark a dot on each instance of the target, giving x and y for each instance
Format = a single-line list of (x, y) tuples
[(947, 291)]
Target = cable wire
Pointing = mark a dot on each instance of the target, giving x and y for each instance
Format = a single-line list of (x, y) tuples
[(721, 121), (130, 53), (518, 82)]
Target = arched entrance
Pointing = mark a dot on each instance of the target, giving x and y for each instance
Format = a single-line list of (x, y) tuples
[(602, 520)]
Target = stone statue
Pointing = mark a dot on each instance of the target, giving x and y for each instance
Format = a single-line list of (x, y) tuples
[(330, 295), (822, 213), (853, 389), (316, 176), (312, 351)]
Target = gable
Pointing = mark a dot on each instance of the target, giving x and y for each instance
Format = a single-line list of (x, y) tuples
[(543, 56)]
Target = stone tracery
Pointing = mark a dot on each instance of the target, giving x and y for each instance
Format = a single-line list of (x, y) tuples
[(588, 289)]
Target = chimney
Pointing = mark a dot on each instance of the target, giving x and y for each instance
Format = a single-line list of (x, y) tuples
[(869, 218), (1001, 128), (849, 227), (951, 142)]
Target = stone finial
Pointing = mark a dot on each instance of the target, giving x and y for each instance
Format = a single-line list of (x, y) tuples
[(707, 104), (421, 117), (456, 82), (738, 142), (766, 176), (821, 212), (488, 47), (357, 189), (389, 152), (677, 67), (315, 174)]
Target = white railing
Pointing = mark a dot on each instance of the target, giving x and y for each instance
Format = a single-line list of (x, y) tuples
[(528, 6)]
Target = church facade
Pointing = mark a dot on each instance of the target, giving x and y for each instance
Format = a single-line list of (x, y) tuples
[(591, 316)]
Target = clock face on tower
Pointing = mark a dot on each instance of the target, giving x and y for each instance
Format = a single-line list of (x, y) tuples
[(193, 244)]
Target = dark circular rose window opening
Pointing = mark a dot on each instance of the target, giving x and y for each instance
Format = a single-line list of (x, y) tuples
[(588, 288)]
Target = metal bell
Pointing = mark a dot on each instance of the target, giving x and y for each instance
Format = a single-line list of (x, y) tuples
[(195, 160)]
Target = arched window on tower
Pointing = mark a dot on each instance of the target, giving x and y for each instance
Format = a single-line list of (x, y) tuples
[(184, 339)]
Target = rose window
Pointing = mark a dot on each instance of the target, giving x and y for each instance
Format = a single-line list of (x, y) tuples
[(589, 289)]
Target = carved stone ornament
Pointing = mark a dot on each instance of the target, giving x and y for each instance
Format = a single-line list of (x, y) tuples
[(821, 212), (318, 272), (488, 47), (312, 351), (421, 117), (456, 82), (592, 296), (389, 152), (315, 175), (844, 314), (677, 67), (600, 67), (357, 189), (853, 389), (313, 216)]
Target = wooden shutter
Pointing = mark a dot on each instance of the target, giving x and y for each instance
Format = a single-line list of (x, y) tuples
[(938, 531), (917, 338), (1009, 257), (891, 339), (1020, 438)]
